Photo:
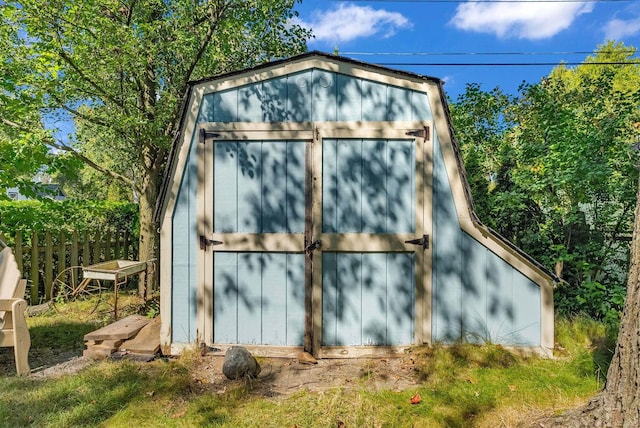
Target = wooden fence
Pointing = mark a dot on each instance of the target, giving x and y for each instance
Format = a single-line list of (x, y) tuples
[(55, 252)]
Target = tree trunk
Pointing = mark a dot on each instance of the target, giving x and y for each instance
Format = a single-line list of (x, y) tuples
[(618, 405), (148, 244)]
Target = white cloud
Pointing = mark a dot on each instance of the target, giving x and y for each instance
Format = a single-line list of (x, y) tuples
[(525, 20), (349, 22), (617, 29)]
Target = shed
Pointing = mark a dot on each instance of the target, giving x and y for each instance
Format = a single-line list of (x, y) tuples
[(320, 203)]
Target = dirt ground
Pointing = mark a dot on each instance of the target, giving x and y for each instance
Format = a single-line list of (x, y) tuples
[(278, 376), (284, 376)]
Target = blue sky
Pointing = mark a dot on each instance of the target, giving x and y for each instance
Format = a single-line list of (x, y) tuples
[(427, 32)]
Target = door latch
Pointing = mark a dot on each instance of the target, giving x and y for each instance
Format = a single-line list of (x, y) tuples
[(206, 243), (309, 249), (423, 242)]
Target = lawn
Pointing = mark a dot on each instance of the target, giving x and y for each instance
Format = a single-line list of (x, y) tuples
[(461, 385)]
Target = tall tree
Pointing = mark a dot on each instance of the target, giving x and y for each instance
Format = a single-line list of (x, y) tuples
[(119, 69), (574, 157)]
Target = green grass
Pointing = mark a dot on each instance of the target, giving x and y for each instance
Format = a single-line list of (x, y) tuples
[(461, 385)]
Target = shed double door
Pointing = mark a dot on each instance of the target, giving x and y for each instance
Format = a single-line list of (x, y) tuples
[(313, 235)]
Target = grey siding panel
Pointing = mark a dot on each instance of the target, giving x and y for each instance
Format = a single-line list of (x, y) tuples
[(330, 303), (349, 289), (295, 299), (349, 185), (527, 324), (295, 190), (368, 299), (274, 101), (249, 188), (207, 110), (251, 100), (374, 101), (474, 290), (299, 98), (259, 187), (315, 95), (398, 103), (420, 108), (401, 186), (259, 298), (368, 186), (225, 297), (225, 106), (477, 296), (348, 98), (401, 298), (324, 103), (225, 187), (249, 288), (330, 185), (183, 269), (374, 203)]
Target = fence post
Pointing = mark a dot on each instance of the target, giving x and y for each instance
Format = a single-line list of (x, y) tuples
[(74, 249), (86, 261), (117, 245), (35, 258), (126, 244), (107, 245), (48, 265), (96, 248)]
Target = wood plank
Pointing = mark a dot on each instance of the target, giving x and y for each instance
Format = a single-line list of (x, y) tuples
[(308, 259), (362, 351), (147, 341), (48, 265), (258, 350), (35, 272), (122, 329)]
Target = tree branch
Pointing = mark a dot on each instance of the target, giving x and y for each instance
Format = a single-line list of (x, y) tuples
[(93, 84), (214, 18), (50, 141), (90, 119)]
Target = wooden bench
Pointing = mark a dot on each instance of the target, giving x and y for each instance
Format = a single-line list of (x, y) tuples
[(13, 325)]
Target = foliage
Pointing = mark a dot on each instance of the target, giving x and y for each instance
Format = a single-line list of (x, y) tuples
[(66, 216), (120, 71), (554, 171)]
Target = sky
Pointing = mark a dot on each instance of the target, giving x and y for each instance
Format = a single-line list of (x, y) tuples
[(438, 36)]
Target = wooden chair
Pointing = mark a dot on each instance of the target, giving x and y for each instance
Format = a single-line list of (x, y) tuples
[(13, 325)]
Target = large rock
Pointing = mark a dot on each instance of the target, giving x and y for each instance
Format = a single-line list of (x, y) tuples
[(238, 363)]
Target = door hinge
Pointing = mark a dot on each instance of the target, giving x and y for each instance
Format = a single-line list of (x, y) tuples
[(206, 243), (420, 133), (203, 135), (423, 242)]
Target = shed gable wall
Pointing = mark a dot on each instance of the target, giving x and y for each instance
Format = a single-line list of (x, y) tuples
[(310, 95), (477, 296)]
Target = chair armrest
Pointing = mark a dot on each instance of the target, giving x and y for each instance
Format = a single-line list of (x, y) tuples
[(17, 306)]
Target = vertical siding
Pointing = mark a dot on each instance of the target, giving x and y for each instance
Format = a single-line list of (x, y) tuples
[(316, 95), (259, 298), (324, 96), (477, 296), (368, 299), (368, 186), (183, 272), (259, 187)]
